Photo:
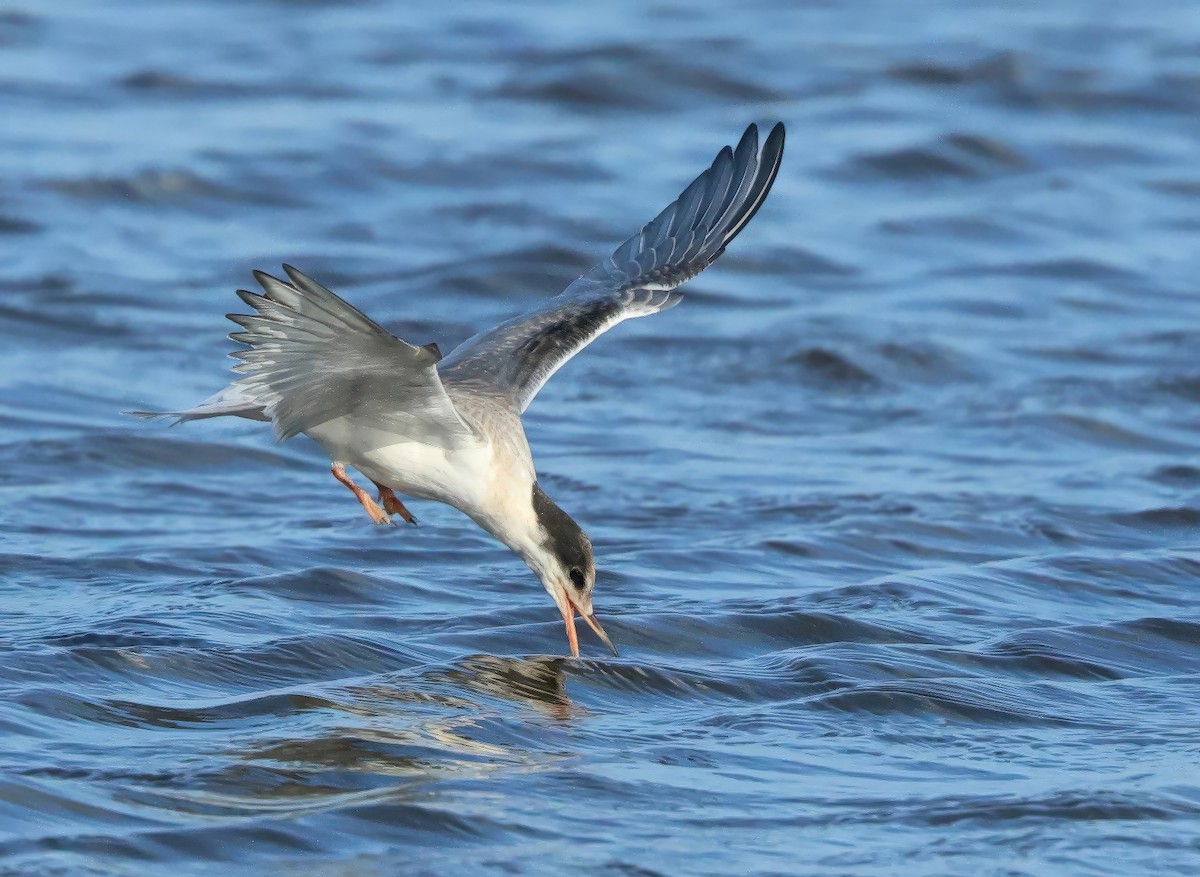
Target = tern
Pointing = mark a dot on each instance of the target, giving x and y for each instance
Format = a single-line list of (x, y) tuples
[(449, 428)]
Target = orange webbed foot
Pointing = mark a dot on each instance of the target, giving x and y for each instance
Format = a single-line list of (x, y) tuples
[(392, 504), (376, 514)]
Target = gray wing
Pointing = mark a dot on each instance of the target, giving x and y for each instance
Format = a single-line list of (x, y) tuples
[(312, 357), (517, 357)]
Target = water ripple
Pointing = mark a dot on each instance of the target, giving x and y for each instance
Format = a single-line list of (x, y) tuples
[(895, 516)]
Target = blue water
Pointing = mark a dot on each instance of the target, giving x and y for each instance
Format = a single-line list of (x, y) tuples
[(896, 517)]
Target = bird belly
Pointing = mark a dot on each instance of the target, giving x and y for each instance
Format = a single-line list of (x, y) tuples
[(489, 481), (455, 476)]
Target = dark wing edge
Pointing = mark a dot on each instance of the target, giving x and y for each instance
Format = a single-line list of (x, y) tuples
[(517, 357), (694, 230)]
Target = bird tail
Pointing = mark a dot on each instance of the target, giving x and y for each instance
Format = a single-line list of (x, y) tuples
[(230, 402)]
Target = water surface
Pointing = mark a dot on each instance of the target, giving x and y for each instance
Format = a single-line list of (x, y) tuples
[(896, 516)]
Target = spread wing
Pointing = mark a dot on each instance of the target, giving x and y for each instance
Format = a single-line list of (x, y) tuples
[(517, 357), (311, 358)]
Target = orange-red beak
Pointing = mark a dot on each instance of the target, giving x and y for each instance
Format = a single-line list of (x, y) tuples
[(568, 610)]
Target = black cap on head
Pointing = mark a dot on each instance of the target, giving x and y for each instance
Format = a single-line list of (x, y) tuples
[(565, 540)]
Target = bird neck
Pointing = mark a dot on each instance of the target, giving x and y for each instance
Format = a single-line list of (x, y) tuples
[(533, 527), (509, 515)]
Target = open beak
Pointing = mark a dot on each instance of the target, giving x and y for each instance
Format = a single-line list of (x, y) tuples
[(568, 613)]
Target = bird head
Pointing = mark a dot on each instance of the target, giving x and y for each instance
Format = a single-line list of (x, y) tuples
[(566, 566)]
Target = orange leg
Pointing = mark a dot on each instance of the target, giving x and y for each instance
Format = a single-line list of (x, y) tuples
[(378, 515), (392, 504)]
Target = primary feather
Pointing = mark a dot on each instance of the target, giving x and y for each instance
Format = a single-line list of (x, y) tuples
[(516, 358)]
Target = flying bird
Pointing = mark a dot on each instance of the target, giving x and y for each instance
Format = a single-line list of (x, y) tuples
[(449, 428)]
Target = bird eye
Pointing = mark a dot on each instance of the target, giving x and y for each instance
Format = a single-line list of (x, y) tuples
[(577, 578)]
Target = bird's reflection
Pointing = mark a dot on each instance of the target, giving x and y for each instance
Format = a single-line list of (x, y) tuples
[(387, 741), (540, 682)]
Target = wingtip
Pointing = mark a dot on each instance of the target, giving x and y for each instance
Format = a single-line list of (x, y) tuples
[(748, 141), (253, 299), (262, 278), (772, 151), (778, 135), (298, 278)]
